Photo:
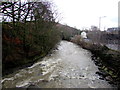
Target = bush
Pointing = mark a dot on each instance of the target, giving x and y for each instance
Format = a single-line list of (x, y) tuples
[(24, 40)]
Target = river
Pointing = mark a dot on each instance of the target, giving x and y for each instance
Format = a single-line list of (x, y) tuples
[(69, 66)]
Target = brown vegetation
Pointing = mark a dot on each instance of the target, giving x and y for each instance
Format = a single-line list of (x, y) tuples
[(28, 32), (108, 60)]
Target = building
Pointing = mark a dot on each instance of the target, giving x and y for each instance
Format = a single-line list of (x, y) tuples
[(94, 28), (113, 30), (84, 35)]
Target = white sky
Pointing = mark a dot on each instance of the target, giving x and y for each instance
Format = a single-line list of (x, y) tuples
[(84, 13)]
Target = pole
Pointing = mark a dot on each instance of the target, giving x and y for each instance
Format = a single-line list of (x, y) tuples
[(119, 37), (99, 22)]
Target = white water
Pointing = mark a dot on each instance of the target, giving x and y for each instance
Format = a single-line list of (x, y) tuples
[(68, 67)]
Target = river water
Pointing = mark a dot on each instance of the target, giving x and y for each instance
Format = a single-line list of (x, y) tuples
[(68, 67)]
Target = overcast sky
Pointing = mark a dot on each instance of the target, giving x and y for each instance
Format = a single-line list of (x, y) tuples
[(84, 13)]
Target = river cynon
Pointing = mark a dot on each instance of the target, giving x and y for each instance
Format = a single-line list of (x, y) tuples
[(68, 67)]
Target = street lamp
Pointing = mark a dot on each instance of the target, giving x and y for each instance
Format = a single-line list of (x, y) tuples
[(100, 21)]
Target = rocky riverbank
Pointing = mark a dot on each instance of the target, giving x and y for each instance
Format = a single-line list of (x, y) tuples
[(107, 60)]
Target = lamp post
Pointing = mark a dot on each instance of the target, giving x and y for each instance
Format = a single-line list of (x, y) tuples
[(100, 21)]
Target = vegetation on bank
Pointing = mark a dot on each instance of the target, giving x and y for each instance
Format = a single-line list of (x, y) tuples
[(19, 50), (67, 32), (30, 33), (108, 60)]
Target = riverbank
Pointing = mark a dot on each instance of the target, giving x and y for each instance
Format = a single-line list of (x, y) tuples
[(30, 62), (68, 67), (25, 43), (107, 60)]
